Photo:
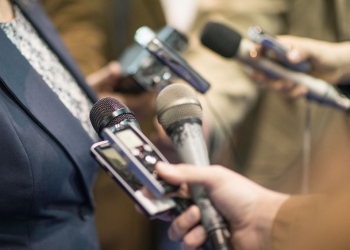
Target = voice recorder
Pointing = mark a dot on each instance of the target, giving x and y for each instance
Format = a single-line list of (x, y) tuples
[(117, 168), (139, 155)]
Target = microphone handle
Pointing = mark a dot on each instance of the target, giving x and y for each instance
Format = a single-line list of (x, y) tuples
[(187, 138), (177, 64), (319, 90)]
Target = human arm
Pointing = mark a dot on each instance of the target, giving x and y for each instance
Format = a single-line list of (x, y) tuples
[(106, 79), (329, 61), (249, 208), (260, 218)]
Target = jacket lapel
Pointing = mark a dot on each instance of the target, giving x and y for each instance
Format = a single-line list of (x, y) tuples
[(36, 15), (43, 105)]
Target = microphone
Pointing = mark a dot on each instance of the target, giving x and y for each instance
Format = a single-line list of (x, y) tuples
[(145, 37), (109, 112), (230, 44), (115, 122), (180, 114)]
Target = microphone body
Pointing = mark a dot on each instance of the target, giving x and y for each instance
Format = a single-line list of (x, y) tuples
[(114, 122), (187, 139), (229, 44), (184, 128), (146, 38)]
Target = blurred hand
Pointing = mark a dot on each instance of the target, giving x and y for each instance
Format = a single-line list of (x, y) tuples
[(249, 208), (106, 79), (328, 61)]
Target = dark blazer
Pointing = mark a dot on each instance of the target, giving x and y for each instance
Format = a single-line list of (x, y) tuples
[(46, 171)]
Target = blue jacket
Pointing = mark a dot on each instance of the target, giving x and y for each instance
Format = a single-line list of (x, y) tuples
[(46, 170)]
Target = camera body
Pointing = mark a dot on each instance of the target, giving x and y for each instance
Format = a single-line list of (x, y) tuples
[(141, 71)]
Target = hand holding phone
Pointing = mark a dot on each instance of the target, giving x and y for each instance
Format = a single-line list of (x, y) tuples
[(258, 36)]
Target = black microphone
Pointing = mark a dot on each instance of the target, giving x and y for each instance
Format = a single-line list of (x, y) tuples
[(111, 113), (180, 114), (148, 39), (230, 44), (115, 122)]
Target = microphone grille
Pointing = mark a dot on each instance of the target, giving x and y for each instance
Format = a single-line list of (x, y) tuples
[(221, 39), (104, 108), (177, 102)]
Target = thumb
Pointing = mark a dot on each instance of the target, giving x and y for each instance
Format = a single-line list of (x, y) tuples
[(295, 56)]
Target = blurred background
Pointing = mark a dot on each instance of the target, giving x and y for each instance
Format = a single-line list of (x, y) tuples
[(256, 132)]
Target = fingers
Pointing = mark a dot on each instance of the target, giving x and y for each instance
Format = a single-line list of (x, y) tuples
[(295, 56), (195, 238), (185, 223), (284, 86), (105, 78), (297, 91)]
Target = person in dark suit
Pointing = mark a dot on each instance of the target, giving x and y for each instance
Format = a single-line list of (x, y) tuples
[(46, 171)]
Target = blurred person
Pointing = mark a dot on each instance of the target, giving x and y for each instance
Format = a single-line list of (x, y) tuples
[(263, 219), (267, 129), (271, 141)]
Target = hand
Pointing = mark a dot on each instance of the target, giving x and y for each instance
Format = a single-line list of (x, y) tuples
[(104, 81), (329, 61), (248, 207)]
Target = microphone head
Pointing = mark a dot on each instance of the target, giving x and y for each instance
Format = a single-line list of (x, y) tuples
[(144, 35), (221, 39), (108, 112), (177, 102)]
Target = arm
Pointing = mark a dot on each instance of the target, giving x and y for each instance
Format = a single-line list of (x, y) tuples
[(329, 61), (259, 218), (249, 208)]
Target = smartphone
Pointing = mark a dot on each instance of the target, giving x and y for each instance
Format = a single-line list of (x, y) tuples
[(256, 34), (116, 167)]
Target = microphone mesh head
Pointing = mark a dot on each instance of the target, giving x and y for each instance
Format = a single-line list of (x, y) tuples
[(104, 108), (221, 39), (177, 102)]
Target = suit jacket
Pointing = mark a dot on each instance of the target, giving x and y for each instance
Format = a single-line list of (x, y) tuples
[(46, 169)]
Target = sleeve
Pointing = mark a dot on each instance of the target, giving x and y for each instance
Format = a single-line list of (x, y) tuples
[(313, 222), (76, 21)]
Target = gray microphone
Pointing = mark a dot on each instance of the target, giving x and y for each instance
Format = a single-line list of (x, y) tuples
[(230, 44), (180, 114)]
